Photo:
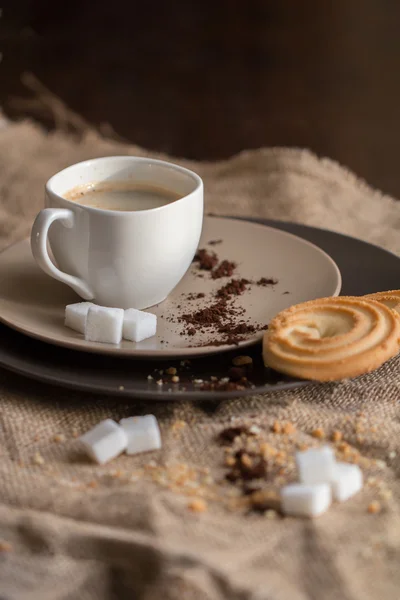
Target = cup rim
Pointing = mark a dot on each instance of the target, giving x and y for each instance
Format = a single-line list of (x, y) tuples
[(49, 187)]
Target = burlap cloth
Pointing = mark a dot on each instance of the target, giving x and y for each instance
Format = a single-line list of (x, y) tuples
[(74, 530)]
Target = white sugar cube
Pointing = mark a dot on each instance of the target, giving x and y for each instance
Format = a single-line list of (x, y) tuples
[(76, 315), (143, 434), (105, 441), (347, 481), (300, 500), (104, 324), (316, 465), (139, 325)]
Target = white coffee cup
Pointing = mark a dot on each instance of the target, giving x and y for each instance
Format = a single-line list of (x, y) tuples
[(126, 259)]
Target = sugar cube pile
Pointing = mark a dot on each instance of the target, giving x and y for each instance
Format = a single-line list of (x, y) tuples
[(76, 315), (347, 481), (321, 480), (108, 439), (105, 441), (143, 434), (301, 500), (104, 325), (110, 325), (316, 465), (139, 325)]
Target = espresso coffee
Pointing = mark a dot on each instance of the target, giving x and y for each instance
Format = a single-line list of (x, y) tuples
[(121, 195)]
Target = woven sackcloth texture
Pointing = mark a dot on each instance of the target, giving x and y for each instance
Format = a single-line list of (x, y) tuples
[(73, 530)]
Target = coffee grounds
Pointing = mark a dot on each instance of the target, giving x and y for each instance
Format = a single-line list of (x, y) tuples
[(229, 434), (235, 287), (239, 329), (207, 260), (225, 386), (193, 296), (221, 317), (224, 269), (211, 316), (265, 281), (247, 466)]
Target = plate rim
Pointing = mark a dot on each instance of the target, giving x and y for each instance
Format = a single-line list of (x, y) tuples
[(170, 353)]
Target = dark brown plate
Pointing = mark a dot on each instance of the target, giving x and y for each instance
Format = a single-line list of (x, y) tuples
[(365, 268)]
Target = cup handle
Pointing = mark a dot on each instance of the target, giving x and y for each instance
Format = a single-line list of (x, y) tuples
[(39, 238)]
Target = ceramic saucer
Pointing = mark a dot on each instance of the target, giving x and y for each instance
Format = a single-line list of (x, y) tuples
[(34, 304)]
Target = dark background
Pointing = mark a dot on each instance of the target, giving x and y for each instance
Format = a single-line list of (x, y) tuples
[(205, 80)]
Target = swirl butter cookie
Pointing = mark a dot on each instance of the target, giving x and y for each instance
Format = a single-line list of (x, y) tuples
[(332, 338), (391, 298)]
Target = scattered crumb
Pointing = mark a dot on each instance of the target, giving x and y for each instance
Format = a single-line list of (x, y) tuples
[(277, 427), (197, 505), (230, 461), (246, 461), (38, 459), (197, 381), (302, 446), (175, 379), (149, 377), (229, 434), (318, 433), (289, 428), (121, 388), (374, 507), (392, 454), (178, 425), (171, 371), (267, 450), (159, 382), (5, 546), (336, 436), (59, 438), (240, 361), (92, 484)]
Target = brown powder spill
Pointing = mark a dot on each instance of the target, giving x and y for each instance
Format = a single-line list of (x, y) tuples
[(224, 269), (228, 434), (193, 296), (239, 329), (221, 318), (265, 281), (235, 287), (211, 316), (206, 260)]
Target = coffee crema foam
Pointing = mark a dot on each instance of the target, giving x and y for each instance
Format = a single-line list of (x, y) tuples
[(121, 195)]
